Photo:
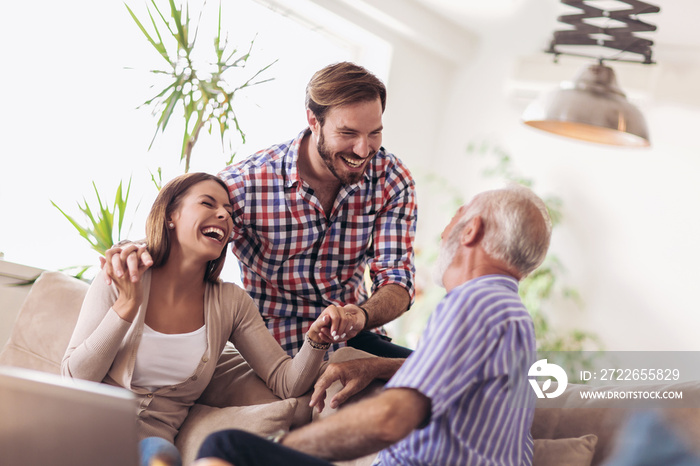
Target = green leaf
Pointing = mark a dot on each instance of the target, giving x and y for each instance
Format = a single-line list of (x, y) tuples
[(157, 45), (159, 182), (99, 231), (203, 108), (81, 230), (181, 35)]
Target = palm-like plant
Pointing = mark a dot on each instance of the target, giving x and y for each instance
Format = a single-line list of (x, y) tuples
[(200, 90), (203, 92), (103, 224)]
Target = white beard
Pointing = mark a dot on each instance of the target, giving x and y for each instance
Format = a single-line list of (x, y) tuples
[(448, 249)]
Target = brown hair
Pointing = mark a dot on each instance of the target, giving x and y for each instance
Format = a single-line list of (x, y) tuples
[(157, 231), (341, 84)]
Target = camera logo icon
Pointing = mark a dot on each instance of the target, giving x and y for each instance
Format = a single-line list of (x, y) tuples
[(542, 368)]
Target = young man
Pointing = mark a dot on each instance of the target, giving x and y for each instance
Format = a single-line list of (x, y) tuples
[(463, 397), (311, 214)]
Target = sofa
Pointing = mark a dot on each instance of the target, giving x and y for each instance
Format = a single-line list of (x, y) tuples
[(578, 432)]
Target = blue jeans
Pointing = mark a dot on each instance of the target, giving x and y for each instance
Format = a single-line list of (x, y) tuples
[(158, 448)]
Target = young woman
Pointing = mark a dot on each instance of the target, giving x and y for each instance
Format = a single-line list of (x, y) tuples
[(160, 333)]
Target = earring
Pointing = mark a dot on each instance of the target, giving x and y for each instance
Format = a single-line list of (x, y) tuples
[(171, 225)]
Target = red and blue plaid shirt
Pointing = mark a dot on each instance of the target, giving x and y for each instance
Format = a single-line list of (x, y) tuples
[(295, 260)]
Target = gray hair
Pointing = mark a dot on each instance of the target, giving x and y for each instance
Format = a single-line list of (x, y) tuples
[(517, 226)]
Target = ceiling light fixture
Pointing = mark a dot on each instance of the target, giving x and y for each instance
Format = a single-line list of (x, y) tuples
[(593, 107)]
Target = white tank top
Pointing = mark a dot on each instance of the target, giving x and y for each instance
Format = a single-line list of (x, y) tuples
[(167, 359)]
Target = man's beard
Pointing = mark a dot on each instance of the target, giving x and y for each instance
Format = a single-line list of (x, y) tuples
[(448, 249), (327, 156)]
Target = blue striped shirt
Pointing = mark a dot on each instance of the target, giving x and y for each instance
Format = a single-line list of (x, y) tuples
[(472, 362)]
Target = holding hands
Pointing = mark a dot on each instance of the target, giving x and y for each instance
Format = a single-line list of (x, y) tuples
[(124, 266), (336, 324), (132, 259)]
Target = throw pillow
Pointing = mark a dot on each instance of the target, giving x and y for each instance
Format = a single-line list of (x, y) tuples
[(45, 323), (565, 451), (203, 420)]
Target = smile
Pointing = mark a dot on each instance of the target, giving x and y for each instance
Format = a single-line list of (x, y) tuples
[(214, 232), (353, 163)]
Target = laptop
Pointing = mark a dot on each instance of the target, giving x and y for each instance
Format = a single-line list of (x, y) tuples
[(46, 420)]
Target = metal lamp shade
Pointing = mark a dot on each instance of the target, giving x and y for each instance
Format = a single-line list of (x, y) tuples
[(592, 108)]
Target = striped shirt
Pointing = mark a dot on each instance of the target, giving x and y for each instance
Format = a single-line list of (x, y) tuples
[(296, 260), (472, 362)]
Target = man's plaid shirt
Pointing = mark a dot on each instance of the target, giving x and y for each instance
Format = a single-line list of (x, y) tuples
[(295, 261)]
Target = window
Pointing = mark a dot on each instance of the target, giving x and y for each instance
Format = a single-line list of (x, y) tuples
[(79, 72)]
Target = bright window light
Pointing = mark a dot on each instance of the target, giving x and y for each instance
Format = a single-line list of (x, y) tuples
[(76, 73)]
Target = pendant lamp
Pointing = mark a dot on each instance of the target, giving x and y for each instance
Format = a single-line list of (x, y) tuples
[(593, 107)]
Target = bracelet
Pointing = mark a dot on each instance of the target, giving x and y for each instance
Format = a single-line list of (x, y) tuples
[(315, 344), (366, 317), (278, 436)]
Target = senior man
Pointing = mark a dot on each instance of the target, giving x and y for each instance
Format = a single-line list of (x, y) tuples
[(462, 398)]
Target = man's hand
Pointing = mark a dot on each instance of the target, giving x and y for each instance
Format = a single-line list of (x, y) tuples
[(354, 375), (332, 326), (129, 286), (344, 322), (132, 258)]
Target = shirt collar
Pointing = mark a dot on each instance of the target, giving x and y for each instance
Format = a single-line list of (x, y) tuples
[(291, 158), (503, 280)]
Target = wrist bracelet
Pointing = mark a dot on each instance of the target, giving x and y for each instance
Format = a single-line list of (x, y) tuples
[(315, 344), (366, 317), (278, 436)]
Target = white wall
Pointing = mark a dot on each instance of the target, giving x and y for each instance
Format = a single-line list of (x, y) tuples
[(629, 239)]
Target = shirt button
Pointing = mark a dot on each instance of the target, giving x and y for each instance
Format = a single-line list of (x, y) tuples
[(194, 377), (205, 359), (150, 395)]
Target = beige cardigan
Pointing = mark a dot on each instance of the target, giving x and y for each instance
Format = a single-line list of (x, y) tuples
[(103, 349)]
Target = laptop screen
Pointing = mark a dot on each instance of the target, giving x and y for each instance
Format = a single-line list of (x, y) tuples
[(45, 419)]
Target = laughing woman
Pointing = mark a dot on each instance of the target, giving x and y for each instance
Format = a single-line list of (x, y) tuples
[(160, 334)]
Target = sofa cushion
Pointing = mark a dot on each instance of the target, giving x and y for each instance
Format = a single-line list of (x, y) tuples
[(570, 451), (45, 323), (263, 419), (571, 415)]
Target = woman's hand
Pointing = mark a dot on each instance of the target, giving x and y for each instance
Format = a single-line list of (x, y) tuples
[(336, 324), (130, 258), (129, 285)]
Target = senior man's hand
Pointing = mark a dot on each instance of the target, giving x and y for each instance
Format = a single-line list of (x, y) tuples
[(355, 375)]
